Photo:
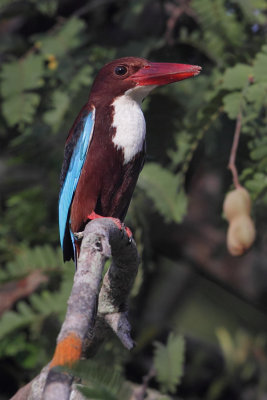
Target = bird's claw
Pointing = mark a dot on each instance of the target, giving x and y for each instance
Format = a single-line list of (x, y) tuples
[(129, 234), (128, 231), (122, 227)]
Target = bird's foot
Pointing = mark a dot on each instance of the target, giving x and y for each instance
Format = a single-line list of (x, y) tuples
[(116, 221)]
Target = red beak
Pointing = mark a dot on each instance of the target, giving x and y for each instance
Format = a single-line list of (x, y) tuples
[(164, 73)]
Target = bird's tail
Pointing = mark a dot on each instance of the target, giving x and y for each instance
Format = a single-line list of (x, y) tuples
[(76, 248)]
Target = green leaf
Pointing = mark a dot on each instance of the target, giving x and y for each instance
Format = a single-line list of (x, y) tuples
[(232, 102), (101, 382), (11, 321), (169, 362), (39, 305), (256, 92), (20, 108), (257, 185), (248, 7), (100, 393), (161, 186), (259, 153), (221, 28), (43, 258), (236, 77), (183, 142), (83, 78), (259, 68), (18, 77), (63, 40), (22, 75), (21, 205), (60, 104), (48, 7)]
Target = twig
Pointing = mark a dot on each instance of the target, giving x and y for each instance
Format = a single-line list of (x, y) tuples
[(10, 292), (175, 11), (140, 392), (89, 7), (232, 159), (90, 314)]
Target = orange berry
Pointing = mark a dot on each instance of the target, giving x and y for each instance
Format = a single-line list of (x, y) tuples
[(53, 65)]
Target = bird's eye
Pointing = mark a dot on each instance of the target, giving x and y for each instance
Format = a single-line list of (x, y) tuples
[(121, 70)]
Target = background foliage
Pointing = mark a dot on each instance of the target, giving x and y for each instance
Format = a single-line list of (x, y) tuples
[(187, 284)]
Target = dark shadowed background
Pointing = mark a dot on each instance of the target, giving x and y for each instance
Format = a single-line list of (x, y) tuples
[(188, 284)]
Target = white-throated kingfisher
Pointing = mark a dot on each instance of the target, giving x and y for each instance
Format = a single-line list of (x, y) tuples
[(105, 148)]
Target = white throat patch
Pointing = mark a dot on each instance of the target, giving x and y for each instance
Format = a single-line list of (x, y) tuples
[(129, 121)]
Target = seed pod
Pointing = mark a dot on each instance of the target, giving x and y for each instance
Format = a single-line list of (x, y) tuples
[(237, 202), (241, 234)]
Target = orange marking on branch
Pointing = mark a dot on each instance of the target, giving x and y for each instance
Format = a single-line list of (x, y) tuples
[(68, 351)]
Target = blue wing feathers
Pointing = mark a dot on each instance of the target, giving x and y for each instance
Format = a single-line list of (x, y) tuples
[(73, 174)]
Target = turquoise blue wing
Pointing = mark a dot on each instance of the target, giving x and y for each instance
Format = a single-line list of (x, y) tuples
[(73, 174)]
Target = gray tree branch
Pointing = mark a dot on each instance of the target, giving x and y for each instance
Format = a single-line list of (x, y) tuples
[(92, 309)]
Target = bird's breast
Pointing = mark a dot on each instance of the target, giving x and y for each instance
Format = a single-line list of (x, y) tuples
[(130, 127)]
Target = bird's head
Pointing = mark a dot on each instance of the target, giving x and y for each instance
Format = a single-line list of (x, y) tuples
[(139, 76)]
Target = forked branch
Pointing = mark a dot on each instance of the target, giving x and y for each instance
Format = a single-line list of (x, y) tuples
[(92, 309)]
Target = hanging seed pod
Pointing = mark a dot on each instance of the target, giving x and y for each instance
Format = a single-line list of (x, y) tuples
[(241, 231), (241, 234), (237, 202)]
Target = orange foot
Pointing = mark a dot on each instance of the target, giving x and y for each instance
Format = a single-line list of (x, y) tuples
[(116, 221)]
